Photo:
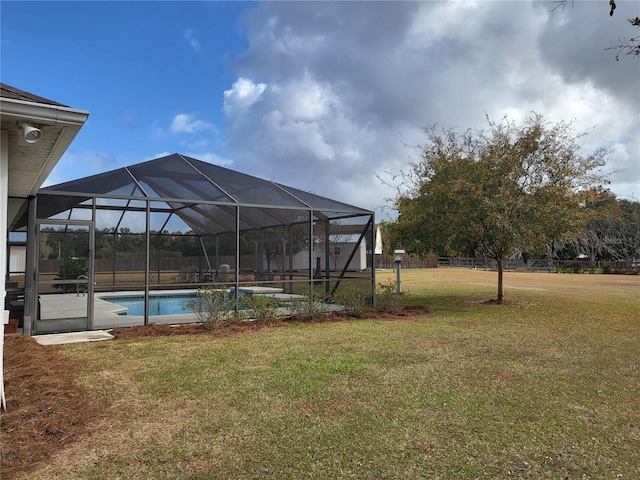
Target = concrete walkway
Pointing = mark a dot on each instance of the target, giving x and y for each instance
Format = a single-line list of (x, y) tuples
[(73, 337)]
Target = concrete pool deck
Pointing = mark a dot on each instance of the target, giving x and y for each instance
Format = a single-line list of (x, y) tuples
[(108, 315)]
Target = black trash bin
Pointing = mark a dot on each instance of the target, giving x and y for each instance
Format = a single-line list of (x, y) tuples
[(14, 302)]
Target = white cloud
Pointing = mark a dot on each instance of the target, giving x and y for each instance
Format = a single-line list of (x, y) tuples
[(241, 96), (197, 145), (193, 41), (159, 155), (326, 90), (306, 100), (210, 157), (186, 123), (203, 155)]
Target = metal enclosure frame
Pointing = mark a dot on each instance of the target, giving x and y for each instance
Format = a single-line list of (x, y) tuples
[(212, 201)]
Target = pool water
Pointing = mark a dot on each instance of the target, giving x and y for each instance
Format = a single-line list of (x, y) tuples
[(158, 304)]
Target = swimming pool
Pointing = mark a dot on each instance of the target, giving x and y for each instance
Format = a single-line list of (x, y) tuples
[(169, 304), (174, 303)]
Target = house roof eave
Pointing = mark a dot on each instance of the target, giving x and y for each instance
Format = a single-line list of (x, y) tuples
[(41, 112)]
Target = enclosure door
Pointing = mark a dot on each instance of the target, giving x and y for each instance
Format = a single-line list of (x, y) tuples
[(64, 286)]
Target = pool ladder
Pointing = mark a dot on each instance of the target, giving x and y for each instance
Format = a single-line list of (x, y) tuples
[(84, 290)]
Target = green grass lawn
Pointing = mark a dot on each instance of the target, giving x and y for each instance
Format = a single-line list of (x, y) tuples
[(546, 386)]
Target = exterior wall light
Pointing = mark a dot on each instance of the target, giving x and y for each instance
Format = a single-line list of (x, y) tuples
[(31, 133)]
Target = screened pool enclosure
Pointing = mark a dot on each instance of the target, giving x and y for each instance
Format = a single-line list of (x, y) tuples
[(176, 224)]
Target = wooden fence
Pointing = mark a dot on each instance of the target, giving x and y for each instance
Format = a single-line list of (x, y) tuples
[(199, 264)]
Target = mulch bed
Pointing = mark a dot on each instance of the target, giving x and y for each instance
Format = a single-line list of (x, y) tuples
[(163, 330), (47, 409)]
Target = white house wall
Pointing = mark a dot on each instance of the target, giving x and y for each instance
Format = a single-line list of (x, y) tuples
[(4, 201), (17, 258), (301, 259)]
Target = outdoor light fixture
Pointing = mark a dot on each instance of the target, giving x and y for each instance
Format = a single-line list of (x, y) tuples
[(31, 133), (398, 261)]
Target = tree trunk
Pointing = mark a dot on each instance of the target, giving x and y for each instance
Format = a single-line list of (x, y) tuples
[(500, 282)]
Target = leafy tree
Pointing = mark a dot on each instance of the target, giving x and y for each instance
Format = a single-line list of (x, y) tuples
[(71, 269), (275, 243), (590, 241), (615, 233), (628, 232), (612, 233), (274, 247), (494, 192)]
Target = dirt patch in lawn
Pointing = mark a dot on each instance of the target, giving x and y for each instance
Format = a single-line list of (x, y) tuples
[(47, 409)]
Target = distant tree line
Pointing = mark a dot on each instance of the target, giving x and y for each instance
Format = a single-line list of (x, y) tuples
[(275, 243), (612, 236)]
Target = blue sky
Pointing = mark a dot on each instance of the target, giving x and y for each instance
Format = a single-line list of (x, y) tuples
[(133, 65), (323, 96)]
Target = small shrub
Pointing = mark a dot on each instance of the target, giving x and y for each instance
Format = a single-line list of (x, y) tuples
[(354, 299), (260, 307), (213, 306), (187, 275), (311, 307), (387, 298)]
